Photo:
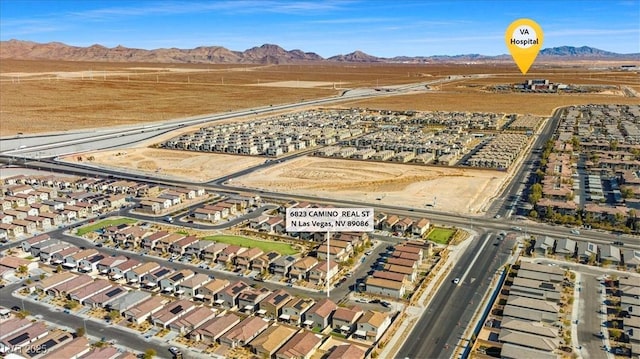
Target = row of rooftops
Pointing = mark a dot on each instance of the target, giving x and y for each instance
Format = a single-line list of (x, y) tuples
[(532, 309)]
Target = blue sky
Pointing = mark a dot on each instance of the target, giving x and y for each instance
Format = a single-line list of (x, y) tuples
[(378, 27)]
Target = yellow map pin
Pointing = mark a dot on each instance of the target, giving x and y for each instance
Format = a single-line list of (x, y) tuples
[(524, 39)]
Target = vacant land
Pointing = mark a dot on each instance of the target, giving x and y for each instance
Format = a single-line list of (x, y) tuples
[(49, 96), (192, 166), (104, 224), (447, 189), (265, 246)]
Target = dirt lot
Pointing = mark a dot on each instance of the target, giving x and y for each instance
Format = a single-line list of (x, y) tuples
[(192, 166), (406, 185)]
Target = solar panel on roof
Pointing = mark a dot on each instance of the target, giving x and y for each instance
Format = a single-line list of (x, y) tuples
[(19, 339), (176, 310), (113, 292)]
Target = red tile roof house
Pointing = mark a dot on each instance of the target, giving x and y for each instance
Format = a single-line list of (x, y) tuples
[(152, 280), (211, 253), (408, 271), (172, 312), (344, 319), (140, 312), (85, 292), (90, 265), (421, 227), (45, 253), (100, 300), (190, 287), (131, 236), (301, 268), (210, 331), (403, 225), (409, 248), (244, 332), (164, 244), (295, 309), (192, 320), (301, 346), (151, 241), (229, 296), (346, 351), (250, 298), (62, 289), (181, 246), (402, 262), (262, 263), (319, 315), (267, 343), (120, 270), (107, 263), (134, 275), (26, 244), (318, 274), (246, 258), (50, 282), (208, 293), (272, 305), (372, 325), (228, 255), (170, 283), (77, 348), (23, 337), (73, 260)]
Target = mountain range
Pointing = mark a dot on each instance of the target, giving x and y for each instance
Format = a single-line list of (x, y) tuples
[(265, 54)]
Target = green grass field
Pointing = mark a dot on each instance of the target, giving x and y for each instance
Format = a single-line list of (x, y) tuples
[(102, 224), (265, 246), (441, 235)]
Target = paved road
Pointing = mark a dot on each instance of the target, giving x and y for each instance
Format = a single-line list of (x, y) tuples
[(445, 319), (590, 321), (95, 329)]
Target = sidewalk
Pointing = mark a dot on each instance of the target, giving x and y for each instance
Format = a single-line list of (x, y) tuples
[(414, 312)]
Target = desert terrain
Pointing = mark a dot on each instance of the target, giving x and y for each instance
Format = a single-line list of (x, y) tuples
[(446, 189), (49, 96), (52, 96)]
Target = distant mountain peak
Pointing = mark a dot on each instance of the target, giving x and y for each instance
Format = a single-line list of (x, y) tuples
[(263, 54)]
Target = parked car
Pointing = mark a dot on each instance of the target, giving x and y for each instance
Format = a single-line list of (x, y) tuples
[(575, 231), (456, 281)]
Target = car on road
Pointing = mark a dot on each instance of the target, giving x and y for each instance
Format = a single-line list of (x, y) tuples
[(516, 228), (619, 243), (497, 216), (174, 351), (15, 308), (456, 281), (575, 231)]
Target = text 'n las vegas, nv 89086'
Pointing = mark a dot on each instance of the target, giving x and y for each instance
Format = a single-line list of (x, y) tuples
[(329, 220)]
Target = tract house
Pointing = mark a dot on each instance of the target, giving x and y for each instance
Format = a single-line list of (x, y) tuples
[(272, 305), (211, 330), (244, 332), (135, 274), (171, 282), (172, 312), (192, 320), (140, 312), (208, 292), (319, 316), (294, 310)]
